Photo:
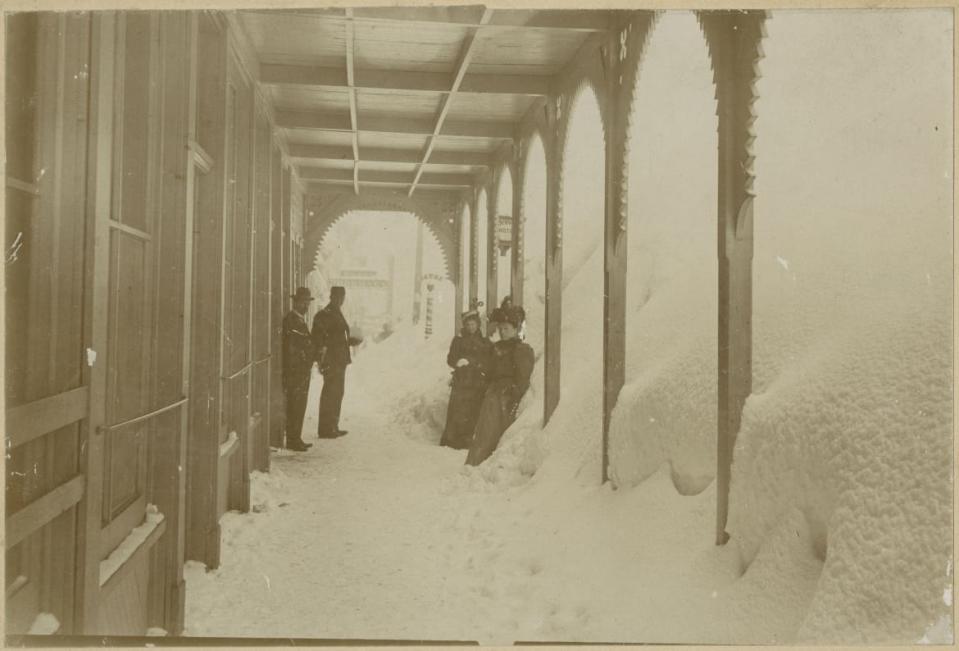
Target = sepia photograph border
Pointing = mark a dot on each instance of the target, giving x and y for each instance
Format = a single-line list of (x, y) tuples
[(8, 6)]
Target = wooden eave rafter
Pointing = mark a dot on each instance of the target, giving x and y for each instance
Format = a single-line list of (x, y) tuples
[(352, 91), (466, 55), (405, 81), (459, 16)]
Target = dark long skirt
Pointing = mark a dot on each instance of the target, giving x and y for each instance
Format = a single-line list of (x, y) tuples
[(495, 416), (461, 416)]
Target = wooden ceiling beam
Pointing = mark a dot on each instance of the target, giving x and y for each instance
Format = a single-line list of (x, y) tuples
[(322, 77), (402, 178), (340, 121), (320, 153), (349, 83)]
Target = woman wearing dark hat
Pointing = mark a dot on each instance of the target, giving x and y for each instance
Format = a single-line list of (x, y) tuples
[(467, 357), (509, 370)]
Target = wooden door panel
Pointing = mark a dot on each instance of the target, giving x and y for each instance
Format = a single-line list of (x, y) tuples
[(130, 332), (47, 85)]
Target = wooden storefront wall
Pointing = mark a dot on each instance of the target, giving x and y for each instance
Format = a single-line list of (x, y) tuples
[(141, 188)]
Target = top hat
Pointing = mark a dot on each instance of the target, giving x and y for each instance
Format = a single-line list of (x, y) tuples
[(302, 293), (337, 290)]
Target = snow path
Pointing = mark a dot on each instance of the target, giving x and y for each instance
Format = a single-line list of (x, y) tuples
[(377, 535)]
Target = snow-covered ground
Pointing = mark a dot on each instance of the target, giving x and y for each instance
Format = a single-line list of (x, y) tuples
[(383, 534)]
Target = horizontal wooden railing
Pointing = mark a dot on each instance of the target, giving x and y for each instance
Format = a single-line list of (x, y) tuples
[(41, 511), (147, 416), (40, 417)]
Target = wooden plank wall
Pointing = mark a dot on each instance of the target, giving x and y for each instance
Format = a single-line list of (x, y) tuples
[(144, 286), (45, 262)]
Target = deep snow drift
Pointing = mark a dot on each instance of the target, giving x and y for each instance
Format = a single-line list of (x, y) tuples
[(847, 438)]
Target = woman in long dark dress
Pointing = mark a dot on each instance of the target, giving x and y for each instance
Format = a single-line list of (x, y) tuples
[(509, 370), (468, 356)]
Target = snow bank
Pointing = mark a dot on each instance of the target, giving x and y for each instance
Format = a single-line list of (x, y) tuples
[(848, 433), (412, 371)]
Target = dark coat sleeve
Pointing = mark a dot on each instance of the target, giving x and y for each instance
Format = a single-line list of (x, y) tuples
[(318, 335), (523, 360), (483, 355), (453, 355), (287, 353)]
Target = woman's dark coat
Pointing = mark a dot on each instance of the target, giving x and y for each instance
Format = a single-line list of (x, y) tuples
[(508, 371), (469, 384)]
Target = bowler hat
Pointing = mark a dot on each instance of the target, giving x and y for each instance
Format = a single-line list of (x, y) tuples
[(302, 293), (336, 290)]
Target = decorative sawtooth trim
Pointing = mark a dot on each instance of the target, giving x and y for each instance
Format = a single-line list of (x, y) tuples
[(633, 41), (593, 84), (556, 164), (492, 206), (521, 154), (745, 71), (434, 214)]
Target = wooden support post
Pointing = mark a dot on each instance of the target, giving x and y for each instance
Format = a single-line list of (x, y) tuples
[(734, 40), (614, 300), (457, 273), (203, 529), (277, 399), (518, 167), (492, 251), (95, 319), (552, 349), (178, 44), (474, 247), (622, 62)]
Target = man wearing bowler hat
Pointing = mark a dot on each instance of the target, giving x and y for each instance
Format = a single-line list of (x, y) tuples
[(297, 364), (331, 345)]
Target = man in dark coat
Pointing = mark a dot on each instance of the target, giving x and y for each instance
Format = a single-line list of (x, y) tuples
[(297, 364), (331, 344)]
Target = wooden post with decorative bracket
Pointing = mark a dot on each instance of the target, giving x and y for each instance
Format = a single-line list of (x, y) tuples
[(621, 63), (734, 39), (518, 173), (552, 350)]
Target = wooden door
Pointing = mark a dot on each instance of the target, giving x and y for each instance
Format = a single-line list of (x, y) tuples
[(47, 94), (147, 308), (237, 295)]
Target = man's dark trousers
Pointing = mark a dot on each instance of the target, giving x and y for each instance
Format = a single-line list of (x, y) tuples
[(295, 409), (331, 399)]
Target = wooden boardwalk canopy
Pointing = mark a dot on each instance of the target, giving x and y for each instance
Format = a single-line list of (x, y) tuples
[(170, 178)]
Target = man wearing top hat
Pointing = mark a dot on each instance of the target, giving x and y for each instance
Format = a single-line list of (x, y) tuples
[(331, 345), (297, 365)]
